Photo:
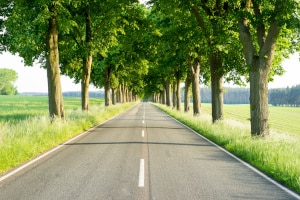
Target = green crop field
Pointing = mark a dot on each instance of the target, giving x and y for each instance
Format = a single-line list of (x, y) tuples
[(281, 119), (16, 108)]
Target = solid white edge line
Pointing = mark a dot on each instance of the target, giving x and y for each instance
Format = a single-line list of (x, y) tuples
[(142, 173), (294, 194), (18, 169)]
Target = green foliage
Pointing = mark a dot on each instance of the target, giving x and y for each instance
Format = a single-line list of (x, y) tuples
[(8, 77), (107, 23), (127, 59)]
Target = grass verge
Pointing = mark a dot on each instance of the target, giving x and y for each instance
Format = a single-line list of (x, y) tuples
[(277, 155), (23, 140)]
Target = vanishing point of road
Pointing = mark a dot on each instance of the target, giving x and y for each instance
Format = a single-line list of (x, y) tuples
[(140, 154)]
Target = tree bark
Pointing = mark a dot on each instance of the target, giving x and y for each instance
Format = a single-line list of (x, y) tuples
[(216, 87), (56, 107), (85, 82), (107, 86), (188, 83), (178, 96), (195, 73), (168, 94), (120, 94), (163, 96), (114, 96), (260, 62), (87, 64), (259, 98), (174, 95)]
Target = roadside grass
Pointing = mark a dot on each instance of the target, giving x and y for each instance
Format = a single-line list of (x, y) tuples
[(277, 155), (16, 108), (281, 119), (22, 139)]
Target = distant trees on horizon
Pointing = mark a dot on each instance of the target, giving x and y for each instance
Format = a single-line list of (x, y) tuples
[(289, 96), (7, 79)]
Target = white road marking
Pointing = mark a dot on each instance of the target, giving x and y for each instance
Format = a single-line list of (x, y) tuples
[(142, 173), (143, 133)]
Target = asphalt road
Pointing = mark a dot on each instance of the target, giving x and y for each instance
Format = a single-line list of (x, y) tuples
[(140, 154)]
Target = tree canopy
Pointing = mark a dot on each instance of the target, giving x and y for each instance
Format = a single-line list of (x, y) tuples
[(137, 51)]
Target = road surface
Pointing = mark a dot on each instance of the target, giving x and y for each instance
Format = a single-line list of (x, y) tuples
[(140, 154)]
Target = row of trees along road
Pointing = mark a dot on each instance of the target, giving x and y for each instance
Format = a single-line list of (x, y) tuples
[(133, 50), (230, 40), (75, 38)]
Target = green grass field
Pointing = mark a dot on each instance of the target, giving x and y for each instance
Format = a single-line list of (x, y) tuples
[(16, 108), (281, 119)]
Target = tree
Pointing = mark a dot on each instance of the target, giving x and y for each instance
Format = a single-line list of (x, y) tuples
[(95, 26), (217, 40), (178, 53), (124, 65), (31, 30), (8, 77), (261, 24)]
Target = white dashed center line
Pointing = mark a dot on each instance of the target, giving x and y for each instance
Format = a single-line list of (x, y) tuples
[(143, 133), (142, 173)]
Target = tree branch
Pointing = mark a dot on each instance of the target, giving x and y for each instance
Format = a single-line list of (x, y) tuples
[(199, 20), (245, 36), (260, 29)]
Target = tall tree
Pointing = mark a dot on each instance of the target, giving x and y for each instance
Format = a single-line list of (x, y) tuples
[(31, 30), (125, 63), (260, 26), (95, 26), (215, 40)]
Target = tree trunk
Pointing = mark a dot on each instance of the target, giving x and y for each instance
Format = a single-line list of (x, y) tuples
[(87, 64), (123, 95), (168, 94), (85, 82), (188, 83), (259, 75), (163, 96), (107, 86), (195, 73), (178, 96), (260, 60), (120, 94), (127, 94), (56, 107), (174, 95), (216, 87), (114, 96), (130, 95)]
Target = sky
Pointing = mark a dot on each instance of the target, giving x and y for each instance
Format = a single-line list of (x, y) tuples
[(34, 79)]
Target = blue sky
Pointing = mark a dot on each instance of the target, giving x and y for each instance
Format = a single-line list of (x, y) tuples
[(34, 79)]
